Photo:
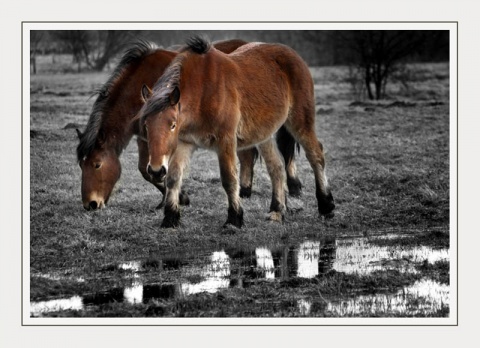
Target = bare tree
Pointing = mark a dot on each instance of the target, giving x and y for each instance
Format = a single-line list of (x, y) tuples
[(36, 37), (377, 52), (110, 43), (94, 47), (76, 42)]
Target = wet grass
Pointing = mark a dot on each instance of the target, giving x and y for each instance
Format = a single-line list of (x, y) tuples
[(438, 271), (388, 168), (433, 239)]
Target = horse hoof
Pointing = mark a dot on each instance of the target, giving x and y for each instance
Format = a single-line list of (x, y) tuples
[(326, 204), (328, 216), (275, 216), (326, 208), (245, 192), (235, 218), (295, 193), (168, 223), (171, 218), (229, 224), (183, 198), (294, 187)]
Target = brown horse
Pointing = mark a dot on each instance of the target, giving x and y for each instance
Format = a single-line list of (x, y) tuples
[(110, 127), (230, 102)]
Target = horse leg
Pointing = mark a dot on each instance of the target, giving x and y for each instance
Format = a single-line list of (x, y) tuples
[(293, 182), (142, 167), (227, 156), (177, 165), (286, 144), (314, 153), (274, 164), (247, 161)]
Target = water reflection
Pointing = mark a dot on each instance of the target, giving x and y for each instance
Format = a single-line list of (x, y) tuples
[(304, 307), (359, 256), (134, 294), (74, 303), (422, 298), (308, 256), (265, 262), (175, 277), (216, 274)]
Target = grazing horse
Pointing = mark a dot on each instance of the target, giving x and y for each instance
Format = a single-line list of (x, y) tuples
[(110, 127), (230, 102)]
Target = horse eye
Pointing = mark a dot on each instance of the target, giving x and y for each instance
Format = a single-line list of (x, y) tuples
[(98, 165), (172, 127)]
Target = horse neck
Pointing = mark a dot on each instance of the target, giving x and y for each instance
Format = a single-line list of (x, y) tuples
[(117, 125), (126, 102), (196, 69)]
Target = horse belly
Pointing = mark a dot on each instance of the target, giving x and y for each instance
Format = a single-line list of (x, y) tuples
[(256, 129)]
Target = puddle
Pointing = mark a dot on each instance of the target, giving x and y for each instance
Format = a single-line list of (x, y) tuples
[(177, 277), (75, 302), (422, 298), (359, 256)]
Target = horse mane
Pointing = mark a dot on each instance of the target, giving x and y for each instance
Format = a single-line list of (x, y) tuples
[(133, 54), (198, 44), (170, 79)]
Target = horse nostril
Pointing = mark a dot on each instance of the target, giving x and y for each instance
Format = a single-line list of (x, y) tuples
[(150, 170), (93, 205), (163, 172)]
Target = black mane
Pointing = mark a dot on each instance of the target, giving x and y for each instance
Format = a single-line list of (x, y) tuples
[(171, 77), (133, 54), (198, 45)]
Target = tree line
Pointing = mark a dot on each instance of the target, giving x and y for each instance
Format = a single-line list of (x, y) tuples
[(374, 53)]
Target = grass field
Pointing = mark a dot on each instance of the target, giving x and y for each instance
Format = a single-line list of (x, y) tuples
[(387, 163)]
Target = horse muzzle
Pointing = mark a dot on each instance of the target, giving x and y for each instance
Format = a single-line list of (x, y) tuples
[(157, 175), (94, 205)]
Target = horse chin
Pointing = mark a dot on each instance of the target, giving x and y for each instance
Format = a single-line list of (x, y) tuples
[(158, 180)]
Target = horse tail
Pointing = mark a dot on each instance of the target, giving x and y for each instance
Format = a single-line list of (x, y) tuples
[(286, 144)]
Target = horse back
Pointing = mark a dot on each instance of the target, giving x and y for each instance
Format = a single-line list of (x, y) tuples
[(274, 81), (228, 46), (250, 91)]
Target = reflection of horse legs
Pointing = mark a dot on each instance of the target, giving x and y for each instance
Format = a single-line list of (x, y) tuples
[(177, 165), (247, 161), (227, 156), (274, 165), (142, 167), (314, 152)]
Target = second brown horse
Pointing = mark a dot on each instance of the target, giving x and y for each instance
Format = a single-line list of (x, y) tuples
[(230, 102)]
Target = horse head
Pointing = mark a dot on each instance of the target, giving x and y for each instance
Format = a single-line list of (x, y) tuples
[(100, 171), (159, 118)]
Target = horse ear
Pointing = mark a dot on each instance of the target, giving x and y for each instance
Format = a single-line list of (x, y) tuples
[(146, 92), (174, 96), (79, 133)]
